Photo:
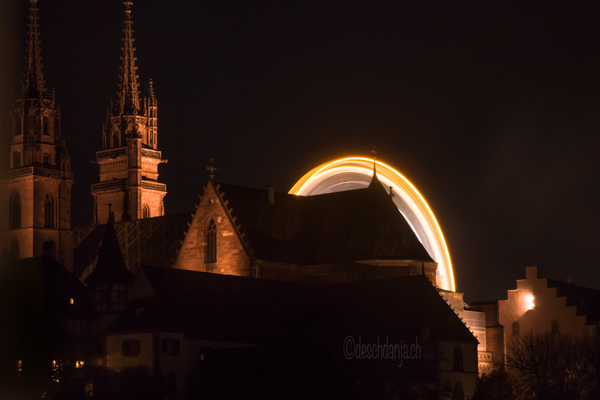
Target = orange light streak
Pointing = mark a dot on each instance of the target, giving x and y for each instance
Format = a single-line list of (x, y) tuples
[(355, 173)]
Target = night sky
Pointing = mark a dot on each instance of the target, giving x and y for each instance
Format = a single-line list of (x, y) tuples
[(491, 108)]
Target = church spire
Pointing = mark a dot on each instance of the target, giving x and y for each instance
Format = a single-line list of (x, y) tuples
[(151, 96), (33, 79), (128, 93)]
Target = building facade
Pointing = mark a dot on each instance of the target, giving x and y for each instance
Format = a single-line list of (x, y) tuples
[(129, 158), (35, 184)]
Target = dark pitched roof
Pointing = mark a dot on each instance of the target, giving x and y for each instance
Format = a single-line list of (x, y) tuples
[(149, 241), (110, 267), (361, 224), (585, 299), (45, 279), (247, 309)]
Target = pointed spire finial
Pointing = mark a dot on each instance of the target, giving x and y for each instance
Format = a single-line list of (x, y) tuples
[(111, 215), (212, 168), (374, 153), (33, 79), (151, 94), (128, 85)]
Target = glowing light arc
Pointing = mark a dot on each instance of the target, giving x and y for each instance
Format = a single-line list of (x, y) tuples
[(355, 173)]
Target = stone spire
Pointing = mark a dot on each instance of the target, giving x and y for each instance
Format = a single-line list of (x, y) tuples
[(151, 96), (33, 78), (374, 153), (128, 92)]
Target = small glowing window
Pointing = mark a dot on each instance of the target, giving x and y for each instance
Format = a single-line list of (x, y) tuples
[(71, 301), (529, 301), (79, 364)]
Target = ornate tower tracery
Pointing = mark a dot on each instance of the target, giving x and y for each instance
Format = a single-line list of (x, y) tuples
[(36, 179), (129, 157)]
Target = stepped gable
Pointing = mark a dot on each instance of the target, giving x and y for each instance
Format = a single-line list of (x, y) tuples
[(585, 299), (361, 224), (149, 241)]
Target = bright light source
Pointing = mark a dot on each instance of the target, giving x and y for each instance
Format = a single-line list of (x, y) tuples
[(356, 173), (71, 301), (529, 301), (79, 364)]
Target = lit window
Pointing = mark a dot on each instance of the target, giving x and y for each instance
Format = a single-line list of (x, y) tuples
[(71, 301), (79, 364), (19, 367), (56, 364), (529, 301)]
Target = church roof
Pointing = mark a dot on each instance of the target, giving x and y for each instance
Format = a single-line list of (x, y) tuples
[(149, 241), (362, 224)]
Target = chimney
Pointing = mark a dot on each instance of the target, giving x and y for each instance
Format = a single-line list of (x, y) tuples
[(271, 194)]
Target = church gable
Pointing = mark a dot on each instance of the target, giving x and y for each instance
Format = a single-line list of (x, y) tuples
[(213, 242)]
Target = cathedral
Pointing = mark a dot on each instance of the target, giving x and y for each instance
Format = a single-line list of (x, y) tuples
[(135, 252)]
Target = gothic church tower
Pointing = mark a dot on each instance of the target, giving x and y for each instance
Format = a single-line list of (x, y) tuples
[(36, 180), (129, 157)]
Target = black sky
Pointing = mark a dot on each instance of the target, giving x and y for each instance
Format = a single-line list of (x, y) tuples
[(490, 108)]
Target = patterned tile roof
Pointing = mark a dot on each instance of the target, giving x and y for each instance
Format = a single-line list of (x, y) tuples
[(149, 241), (346, 226)]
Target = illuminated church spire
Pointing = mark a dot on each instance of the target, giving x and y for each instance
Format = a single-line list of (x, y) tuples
[(35, 194), (128, 92), (129, 157), (33, 82)]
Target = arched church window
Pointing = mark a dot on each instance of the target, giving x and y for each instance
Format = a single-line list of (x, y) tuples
[(458, 392), (45, 128), (49, 211), (516, 328), (15, 211), (457, 359), (15, 249), (116, 142), (211, 242), (46, 158), (146, 211)]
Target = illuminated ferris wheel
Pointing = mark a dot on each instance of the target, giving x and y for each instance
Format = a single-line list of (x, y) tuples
[(356, 173)]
